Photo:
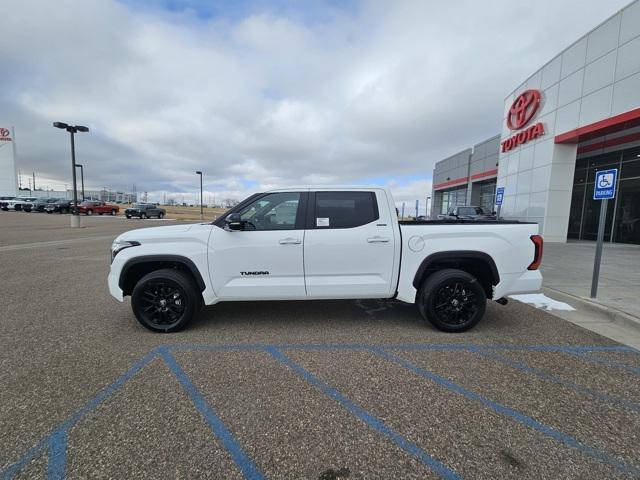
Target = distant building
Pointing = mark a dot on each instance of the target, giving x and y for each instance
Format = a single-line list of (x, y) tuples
[(466, 178)]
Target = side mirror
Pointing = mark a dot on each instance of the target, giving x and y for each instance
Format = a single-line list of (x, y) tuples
[(234, 221)]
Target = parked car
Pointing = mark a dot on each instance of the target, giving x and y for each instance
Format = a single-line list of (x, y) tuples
[(91, 208), (18, 203), (40, 204), (145, 210), (468, 212), (61, 206), (335, 243), (3, 202)]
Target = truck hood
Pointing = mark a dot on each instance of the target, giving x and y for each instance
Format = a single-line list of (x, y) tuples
[(156, 233)]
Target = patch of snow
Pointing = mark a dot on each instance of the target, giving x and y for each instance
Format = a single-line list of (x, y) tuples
[(539, 300)]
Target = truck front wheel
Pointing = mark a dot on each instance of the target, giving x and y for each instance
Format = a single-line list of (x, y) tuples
[(452, 300), (165, 300)]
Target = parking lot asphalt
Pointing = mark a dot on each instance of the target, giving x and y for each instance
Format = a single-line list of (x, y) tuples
[(317, 390)]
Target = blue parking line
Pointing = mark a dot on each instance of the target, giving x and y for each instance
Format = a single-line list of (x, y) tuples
[(408, 346), (46, 442), (560, 381), (57, 468), (219, 429), (605, 361), (513, 414), (365, 416)]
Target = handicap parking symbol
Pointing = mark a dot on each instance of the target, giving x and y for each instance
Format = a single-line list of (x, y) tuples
[(605, 185)]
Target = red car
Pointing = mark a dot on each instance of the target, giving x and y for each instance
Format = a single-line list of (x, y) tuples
[(90, 208)]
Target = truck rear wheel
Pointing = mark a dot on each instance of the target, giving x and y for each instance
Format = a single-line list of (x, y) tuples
[(165, 300), (452, 300)]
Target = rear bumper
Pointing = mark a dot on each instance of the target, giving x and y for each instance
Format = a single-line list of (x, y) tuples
[(512, 284)]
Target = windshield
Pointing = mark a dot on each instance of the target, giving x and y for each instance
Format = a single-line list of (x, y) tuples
[(139, 205), (470, 211)]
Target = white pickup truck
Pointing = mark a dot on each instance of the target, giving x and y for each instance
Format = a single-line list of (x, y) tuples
[(324, 243)]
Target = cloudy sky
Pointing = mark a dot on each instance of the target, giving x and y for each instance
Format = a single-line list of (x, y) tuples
[(263, 93)]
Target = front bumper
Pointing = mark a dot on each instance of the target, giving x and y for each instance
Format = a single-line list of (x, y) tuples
[(114, 288)]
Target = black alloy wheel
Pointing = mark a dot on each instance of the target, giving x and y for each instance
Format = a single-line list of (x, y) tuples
[(452, 300), (165, 300)]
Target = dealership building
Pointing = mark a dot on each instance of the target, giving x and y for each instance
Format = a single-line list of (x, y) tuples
[(8, 172), (578, 114)]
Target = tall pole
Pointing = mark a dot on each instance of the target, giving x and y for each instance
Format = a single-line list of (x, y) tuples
[(75, 183), (34, 180), (82, 180), (201, 206)]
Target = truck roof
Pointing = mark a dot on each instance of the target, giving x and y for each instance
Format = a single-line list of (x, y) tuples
[(326, 187)]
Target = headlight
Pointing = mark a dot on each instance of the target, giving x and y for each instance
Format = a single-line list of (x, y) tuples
[(118, 245)]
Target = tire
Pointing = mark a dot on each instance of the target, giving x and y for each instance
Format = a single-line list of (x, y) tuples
[(153, 300), (143, 216), (452, 300), (89, 212), (128, 216), (113, 212), (161, 215)]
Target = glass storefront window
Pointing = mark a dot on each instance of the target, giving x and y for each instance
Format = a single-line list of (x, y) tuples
[(627, 222), (585, 212), (453, 198)]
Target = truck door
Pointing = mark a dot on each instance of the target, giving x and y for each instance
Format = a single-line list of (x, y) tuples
[(349, 245), (264, 259)]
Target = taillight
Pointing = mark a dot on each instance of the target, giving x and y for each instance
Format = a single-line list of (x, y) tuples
[(537, 256)]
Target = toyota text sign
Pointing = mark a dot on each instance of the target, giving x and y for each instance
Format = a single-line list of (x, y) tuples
[(605, 186)]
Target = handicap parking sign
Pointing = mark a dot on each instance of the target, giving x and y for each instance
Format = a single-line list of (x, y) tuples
[(605, 186), (499, 195)]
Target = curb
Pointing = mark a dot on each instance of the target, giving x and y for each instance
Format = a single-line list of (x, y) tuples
[(616, 316)]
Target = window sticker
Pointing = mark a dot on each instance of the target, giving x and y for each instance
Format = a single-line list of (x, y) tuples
[(322, 222)]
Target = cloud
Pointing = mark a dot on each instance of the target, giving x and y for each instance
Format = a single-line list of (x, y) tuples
[(261, 94)]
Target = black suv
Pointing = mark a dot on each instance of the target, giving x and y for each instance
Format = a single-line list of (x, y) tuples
[(61, 206), (41, 204), (145, 210)]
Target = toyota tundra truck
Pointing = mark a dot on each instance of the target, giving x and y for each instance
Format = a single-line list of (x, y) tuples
[(316, 243)]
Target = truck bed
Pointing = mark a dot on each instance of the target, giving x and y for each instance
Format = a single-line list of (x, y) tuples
[(465, 222)]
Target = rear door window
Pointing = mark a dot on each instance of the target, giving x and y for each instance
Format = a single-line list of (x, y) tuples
[(344, 209)]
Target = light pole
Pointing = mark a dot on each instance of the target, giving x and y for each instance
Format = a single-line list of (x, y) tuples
[(81, 178), (201, 210), (73, 129)]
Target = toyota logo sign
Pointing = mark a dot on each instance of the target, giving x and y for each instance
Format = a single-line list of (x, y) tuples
[(4, 132), (523, 108)]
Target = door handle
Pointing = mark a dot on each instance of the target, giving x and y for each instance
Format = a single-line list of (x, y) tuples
[(378, 239), (290, 241)]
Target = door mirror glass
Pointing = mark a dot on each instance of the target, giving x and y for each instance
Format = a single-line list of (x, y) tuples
[(234, 222)]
